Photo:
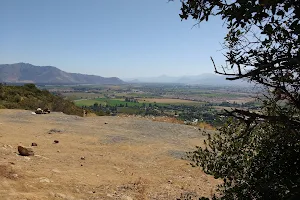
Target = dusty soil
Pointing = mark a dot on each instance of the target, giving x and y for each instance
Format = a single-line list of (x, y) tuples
[(97, 158)]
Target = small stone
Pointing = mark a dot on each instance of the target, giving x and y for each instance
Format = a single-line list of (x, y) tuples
[(110, 195), (56, 171), (56, 141), (105, 123), (82, 158), (54, 131), (63, 196), (25, 151), (124, 197), (44, 180), (34, 144), (14, 175)]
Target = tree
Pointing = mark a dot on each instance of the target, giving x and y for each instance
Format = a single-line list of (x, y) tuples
[(96, 105), (257, 154), (30, 86)]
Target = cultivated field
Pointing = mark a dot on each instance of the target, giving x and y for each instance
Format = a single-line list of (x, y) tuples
[(82, 95), (168, 101), (146, 101)]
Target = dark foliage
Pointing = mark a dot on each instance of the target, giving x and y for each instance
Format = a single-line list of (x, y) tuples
[(29, 97), (256, 154)]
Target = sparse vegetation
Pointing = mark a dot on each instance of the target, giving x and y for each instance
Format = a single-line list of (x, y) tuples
[(256, 154), (30, 97)]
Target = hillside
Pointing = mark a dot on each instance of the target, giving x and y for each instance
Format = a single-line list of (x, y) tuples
[(29, 97), (27, 73), (97, 158)]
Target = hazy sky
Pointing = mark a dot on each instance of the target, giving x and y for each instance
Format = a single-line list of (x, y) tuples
[(124, 38)]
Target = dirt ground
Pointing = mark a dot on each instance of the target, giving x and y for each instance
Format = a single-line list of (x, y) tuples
[(97, 158)]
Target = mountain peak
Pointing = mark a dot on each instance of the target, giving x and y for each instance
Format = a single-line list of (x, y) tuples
[(28, 73)]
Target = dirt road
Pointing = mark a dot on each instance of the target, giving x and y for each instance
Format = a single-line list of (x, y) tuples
[(96, 158)]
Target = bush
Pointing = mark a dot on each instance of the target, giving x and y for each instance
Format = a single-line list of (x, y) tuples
[(29, 97)]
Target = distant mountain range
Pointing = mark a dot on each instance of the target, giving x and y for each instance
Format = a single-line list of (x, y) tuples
[(27, 73), (202, 79)]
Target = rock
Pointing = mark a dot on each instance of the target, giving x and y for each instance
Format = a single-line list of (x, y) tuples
[(26, 158), (63, 196), (117, 168), (110, 195), (44, 180), (7, 146), (54, 130), (105, 123), (14, 175), (124, 197), (34, 144), (56, 171), (56, 141), (82, 158), (25, 151), (47, 110)]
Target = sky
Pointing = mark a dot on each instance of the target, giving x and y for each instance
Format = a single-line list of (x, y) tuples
[(110, 38)]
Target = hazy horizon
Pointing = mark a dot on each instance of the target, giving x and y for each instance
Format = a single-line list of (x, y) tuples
[(108, 38)]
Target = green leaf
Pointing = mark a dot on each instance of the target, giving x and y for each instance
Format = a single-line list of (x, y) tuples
[(294, 24), (268, 28), (286, 7), (280, 12), (273, 9)]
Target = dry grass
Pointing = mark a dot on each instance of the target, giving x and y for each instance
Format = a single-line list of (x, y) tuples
[(97, 158), (168, 119), (206, 126), (174, 120)]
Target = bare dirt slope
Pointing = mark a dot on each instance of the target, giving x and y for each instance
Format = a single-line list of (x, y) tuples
[(96, 158)]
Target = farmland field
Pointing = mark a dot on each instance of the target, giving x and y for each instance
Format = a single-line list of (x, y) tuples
[(169, 101), (106, 101), (185, 103), (146, 101), (82, 95)]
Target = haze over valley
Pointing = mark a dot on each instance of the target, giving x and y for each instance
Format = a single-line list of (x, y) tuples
[(28, 73), (149, 100)]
